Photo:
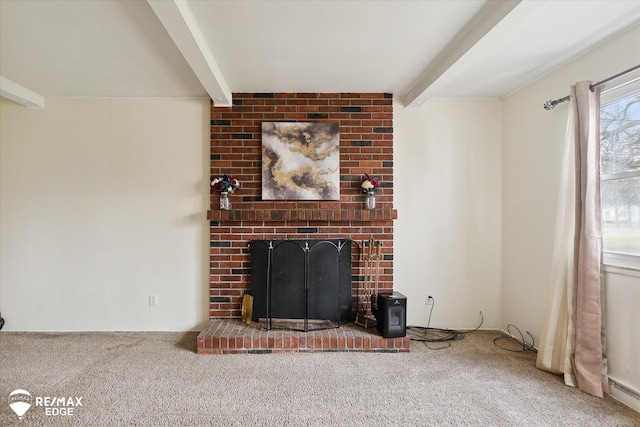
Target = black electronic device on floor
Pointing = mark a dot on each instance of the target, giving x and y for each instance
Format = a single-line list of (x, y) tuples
[(391, 315)]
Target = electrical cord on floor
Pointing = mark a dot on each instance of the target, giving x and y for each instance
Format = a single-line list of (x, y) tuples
[(436, 335), (520, 341)]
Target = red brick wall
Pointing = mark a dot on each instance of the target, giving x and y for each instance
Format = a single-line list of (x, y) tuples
[(366, 146)]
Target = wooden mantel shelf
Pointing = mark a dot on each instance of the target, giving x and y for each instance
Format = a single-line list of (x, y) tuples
[(279, 215)]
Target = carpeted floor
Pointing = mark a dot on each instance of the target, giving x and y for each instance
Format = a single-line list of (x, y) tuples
[(156, 379)]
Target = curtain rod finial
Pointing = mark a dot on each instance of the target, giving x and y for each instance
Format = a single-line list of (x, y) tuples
[(550, 105)]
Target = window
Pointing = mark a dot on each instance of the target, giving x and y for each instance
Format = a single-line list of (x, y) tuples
[(620, 172)]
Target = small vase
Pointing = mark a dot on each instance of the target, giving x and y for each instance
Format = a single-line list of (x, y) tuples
[(370, 201), (225, 205)]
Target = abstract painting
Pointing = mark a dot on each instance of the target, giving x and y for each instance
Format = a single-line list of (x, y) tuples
[(300, 161)]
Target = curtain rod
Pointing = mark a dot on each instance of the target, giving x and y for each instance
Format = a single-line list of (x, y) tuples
[(550, 105)]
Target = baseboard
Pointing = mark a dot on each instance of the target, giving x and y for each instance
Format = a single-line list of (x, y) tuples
[(624, 394)]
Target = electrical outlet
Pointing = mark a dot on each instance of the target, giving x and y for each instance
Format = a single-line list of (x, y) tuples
[(428, 299), (153, 300)]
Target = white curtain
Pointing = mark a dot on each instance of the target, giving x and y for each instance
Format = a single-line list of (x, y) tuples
[(573, 340), (555, 348)]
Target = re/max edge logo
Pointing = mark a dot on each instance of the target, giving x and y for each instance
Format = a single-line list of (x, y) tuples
[(58, 405), (20, 401)]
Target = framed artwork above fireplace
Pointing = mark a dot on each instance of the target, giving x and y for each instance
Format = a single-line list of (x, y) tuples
[(300, 161)]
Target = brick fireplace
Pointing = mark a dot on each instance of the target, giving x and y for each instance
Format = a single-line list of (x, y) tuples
[(366, 147)]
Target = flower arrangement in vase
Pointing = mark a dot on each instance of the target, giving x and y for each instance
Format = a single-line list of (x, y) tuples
[(225, 185), (370, 186)]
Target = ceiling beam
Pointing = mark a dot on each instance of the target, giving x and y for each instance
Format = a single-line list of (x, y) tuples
[(442, 69), (178, 20), (20, 94)]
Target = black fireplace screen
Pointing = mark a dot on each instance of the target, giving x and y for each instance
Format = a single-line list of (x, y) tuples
[(301, 280)]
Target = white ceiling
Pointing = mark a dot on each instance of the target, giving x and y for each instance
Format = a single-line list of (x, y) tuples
[(413, 49)]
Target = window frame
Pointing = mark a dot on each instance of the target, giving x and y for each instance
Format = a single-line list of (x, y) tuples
[(609, 96)]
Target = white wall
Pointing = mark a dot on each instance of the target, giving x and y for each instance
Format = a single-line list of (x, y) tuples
[(532, 159), (623, 334), (448, 192), (103, 202)]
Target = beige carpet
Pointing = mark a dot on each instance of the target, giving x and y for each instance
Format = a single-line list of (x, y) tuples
[(156, 379)]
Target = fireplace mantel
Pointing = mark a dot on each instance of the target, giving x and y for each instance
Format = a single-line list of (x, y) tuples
[(279, 215)]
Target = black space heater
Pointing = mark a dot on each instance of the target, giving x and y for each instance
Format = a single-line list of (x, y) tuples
[(391, 315)]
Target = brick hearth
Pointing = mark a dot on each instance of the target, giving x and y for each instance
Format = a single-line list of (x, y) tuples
[(232, 336)]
